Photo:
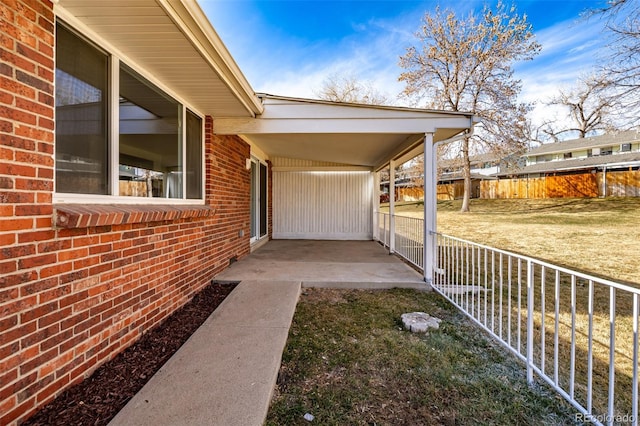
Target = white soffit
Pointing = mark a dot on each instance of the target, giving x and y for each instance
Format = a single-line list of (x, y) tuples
[(362, 135), (173, 41)]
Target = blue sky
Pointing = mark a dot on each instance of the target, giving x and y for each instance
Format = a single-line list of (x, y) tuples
[(290, 47)]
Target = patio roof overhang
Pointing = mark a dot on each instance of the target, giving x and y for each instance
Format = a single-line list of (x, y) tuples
[(354, 134), (172, 41)]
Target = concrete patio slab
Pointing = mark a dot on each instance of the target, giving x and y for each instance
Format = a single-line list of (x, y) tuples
[(335, 264), (226, 372)]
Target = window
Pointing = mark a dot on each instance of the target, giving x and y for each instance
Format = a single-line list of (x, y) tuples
[(625, 147), (606, 151), (81, 99), (149, 145), (567, 155)]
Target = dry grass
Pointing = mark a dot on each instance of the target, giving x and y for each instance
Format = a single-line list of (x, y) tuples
[(597, 236), (348, 361)]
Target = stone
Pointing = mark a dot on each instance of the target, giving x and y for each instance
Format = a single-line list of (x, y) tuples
[(420, 322)]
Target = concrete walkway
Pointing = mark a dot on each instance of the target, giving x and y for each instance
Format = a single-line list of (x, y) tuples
[(226, 372)]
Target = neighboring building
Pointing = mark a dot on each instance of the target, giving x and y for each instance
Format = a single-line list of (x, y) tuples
[(598, 166), (136, 163), (615, 151)]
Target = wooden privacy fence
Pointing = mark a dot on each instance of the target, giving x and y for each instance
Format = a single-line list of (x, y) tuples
[(600, 184), (618, 184)]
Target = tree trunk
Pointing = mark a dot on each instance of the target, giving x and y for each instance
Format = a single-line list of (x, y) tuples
[(466, 166)]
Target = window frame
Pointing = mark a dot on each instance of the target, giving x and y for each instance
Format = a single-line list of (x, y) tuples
[(115, 58)]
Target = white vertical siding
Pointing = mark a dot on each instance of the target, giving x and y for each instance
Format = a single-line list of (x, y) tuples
[(322, 205)]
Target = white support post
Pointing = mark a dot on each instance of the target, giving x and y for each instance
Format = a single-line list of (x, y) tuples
[(392, 206), (430, 206), (376, 206)]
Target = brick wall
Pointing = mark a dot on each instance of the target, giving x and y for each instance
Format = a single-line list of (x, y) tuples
[(73, 293)]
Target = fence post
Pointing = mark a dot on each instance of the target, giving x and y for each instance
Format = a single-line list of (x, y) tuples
[(530, 323)]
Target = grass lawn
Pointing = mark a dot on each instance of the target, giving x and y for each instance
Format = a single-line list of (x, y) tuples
[(349, 361), (597, 236)]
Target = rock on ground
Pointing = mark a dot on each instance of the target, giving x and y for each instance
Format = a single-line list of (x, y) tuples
[(420, 322)]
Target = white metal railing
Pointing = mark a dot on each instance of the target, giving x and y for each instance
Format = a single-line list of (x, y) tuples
[(384, 228), (577, 332), (408, 236)]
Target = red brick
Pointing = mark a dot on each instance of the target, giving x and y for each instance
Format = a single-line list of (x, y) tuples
[(14, 141), (17, 61), (30, 132), (28, 237), (49, 392), (7, 417), (15, 197), (8, 267), (57, 269), (35, 261), (56, 339), (7, 323), (34, 158), (33, 210), (35, 82), (18, 115), (17, 170), (34, 184), (19, 278), (73, 254), (15, 224), (33, 363), (39, 335), (54, 293), (16, 87)]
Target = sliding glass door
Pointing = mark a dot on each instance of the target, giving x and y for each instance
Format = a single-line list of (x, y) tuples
[(258, 200)]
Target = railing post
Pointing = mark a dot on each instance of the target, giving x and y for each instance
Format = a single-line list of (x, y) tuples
[(530, 310), (384, 232)]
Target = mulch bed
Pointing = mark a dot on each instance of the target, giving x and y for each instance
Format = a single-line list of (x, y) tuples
[(97, 399)]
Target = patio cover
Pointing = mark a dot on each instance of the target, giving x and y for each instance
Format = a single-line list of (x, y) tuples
[(346, 133)]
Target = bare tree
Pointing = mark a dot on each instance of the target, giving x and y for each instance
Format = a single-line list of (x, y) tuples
[(591, 106), (348, 88), (623, 68), (623, 22), (466, 65)]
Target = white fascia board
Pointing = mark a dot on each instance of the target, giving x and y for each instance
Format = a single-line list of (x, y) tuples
[(192, 21), (230, 126)]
